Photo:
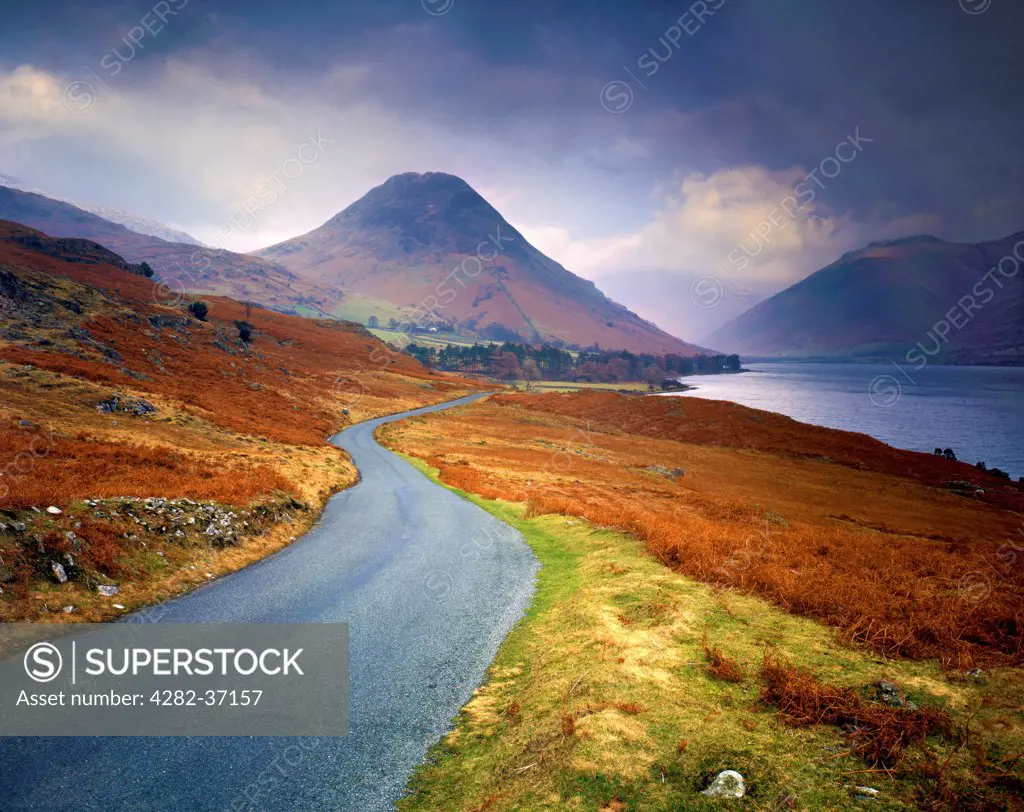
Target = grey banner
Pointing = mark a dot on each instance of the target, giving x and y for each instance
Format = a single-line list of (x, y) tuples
[(174, 679)]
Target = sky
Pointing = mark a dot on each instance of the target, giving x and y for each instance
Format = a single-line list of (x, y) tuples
[(661, 149)]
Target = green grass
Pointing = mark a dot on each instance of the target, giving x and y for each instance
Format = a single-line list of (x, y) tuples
[(612, 640), (438, 341), (570, 386), (359, 309)]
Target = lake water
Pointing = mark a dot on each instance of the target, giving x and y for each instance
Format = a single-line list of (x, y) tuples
[(976, 411)]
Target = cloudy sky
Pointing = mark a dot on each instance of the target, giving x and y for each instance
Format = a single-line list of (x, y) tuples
[(644, 145)]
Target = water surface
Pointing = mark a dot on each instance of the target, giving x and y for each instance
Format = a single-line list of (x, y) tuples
[(976, 411)]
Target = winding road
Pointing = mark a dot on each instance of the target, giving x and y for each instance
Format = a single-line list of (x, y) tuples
[(429, 585)]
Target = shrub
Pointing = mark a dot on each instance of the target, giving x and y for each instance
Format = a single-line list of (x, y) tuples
[(147, 271), (244, 331), (199, 310)]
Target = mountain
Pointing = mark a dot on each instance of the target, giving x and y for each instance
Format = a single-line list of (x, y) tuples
[(140, 224), (135, 222), (689, 304), (913, 298), (180, 266), (428, 249)]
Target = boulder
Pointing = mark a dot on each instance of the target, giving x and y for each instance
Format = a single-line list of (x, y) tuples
[(889, 694), (107, 590), (727, 784)]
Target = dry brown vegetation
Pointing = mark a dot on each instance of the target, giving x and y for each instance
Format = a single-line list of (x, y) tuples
[(827, 524), (236, 423), (720, 665), (878, 733)]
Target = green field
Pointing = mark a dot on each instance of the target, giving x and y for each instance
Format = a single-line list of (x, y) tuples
[(570, 386), (437, 341)]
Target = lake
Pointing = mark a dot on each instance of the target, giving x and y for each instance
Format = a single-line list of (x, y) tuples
[(976, 411)]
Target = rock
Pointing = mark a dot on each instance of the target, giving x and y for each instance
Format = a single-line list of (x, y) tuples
[(107, 590), (54, 511), (888, 694), (58, 572), (68, 610), (866, 793), (727, 784), (131, 406), (668, 473)]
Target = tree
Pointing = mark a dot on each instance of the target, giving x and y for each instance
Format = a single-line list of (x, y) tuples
[(373, 322), (199, 310), (425, 355), (393, 324), (505, 365), (654, 374), (244, 331), (732, 363), (147, 271), (531, 372)]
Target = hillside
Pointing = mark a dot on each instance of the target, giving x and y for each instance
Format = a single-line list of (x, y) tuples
[(427, 248), (179, 266), (125, 417), (918, 297), (726, 588)]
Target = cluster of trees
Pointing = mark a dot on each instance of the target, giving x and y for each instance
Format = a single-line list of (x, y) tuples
[(512, 361)]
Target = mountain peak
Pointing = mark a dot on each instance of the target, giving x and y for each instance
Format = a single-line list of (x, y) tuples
[(430, 210), (427, 180), (430, 193), (428, 247)]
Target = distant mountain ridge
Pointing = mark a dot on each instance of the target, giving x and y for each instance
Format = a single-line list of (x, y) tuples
[(913, 298), (140, 224), (428, 248), (180, 266), (134, 222)]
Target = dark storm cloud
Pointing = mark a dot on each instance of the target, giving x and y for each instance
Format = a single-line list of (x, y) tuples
[(737, 97)]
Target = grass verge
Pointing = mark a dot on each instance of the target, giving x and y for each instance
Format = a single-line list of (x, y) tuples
[(602, 697)]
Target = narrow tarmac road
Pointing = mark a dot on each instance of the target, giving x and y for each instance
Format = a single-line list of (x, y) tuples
[(429, 585)]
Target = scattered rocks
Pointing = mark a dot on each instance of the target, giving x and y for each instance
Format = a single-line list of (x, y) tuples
[(889, 694), (174, 322), (727, 784), (153, 523), (126, 405), (668, 473)]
